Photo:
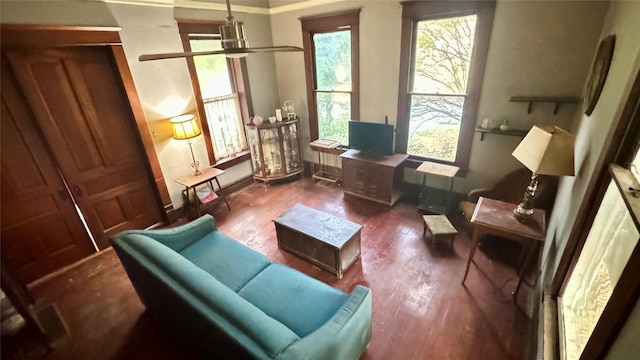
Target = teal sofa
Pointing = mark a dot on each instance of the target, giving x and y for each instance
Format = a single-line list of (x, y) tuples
[(229, 301)]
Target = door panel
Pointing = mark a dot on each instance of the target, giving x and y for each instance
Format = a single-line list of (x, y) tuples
[(80, 106), (41, 231)]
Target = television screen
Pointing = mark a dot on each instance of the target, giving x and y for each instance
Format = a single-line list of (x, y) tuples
[(371, 138)]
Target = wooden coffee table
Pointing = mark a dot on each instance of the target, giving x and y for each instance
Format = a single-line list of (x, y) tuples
[(325, 240)]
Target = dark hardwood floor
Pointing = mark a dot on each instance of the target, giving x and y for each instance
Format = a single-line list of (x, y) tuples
[(420, 308)]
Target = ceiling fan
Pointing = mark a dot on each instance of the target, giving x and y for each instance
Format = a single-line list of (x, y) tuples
[(234, 43)]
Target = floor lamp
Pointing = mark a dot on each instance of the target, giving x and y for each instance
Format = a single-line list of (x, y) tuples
[(545, 150), (185, 127)]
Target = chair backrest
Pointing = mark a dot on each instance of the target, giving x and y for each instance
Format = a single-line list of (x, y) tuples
[(512, 186)]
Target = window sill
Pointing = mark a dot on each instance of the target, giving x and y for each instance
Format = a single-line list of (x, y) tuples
[(229, 162)]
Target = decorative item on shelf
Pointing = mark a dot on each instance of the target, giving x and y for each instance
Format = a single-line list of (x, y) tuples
[(185, 127), (231, 151), (505, 124), (288, 106), (278, 114), (257, 120), (598, 75), (487, 123), (272, 119), (546, 150)]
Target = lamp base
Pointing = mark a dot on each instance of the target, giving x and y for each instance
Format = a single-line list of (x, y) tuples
[(195, 165), (524, 210), (522, 213)]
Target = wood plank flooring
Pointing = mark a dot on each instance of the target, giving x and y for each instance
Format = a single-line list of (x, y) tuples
[(420, 308)]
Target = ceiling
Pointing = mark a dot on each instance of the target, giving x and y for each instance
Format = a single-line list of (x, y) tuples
[(267, 7)]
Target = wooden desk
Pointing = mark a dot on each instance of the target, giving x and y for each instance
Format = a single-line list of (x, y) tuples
[(496, 217), (192, 181)]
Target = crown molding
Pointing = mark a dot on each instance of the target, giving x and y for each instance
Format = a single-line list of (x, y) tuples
[(206, 5)]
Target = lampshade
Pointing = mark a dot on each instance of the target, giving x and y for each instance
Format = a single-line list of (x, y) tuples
[(184, 127), (547, 150)]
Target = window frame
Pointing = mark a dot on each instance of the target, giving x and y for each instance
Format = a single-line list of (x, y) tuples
[(239, 81), (327, 23), (412, 13)]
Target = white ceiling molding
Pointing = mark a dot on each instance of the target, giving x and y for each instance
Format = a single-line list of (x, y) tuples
[(301, 5), (155, 3), (207, 5)]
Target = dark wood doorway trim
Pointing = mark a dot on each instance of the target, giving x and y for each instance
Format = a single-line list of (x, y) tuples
[(29, 36)]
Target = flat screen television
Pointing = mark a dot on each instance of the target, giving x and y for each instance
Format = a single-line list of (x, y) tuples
[(371, 138)]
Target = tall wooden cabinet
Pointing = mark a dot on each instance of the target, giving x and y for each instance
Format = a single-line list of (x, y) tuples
[(375, 178), (275, 149)]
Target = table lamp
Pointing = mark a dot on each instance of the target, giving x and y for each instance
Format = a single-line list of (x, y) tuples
[(545, 150), (185, 127)]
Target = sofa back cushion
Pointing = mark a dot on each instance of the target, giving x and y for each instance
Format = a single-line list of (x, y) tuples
[(231, 262), (300, 302), (184, 295)]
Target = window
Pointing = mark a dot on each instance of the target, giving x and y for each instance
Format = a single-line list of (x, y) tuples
[(331, 63), (221, 93), (444, 47)]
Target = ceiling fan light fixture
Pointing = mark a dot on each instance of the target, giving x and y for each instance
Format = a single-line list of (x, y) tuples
[(232, 35), (236, 55)]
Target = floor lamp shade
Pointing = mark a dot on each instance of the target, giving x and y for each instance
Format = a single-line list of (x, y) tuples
[(545, 150), (185, 127)]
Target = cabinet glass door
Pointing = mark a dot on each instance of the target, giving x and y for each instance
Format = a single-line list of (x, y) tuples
[(252, 137), (270, 139), (291, 147)]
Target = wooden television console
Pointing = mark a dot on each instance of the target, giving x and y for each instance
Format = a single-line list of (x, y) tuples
[(372, 177)]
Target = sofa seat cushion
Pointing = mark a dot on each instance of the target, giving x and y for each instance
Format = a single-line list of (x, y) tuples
[(232, 263), (298, 301)]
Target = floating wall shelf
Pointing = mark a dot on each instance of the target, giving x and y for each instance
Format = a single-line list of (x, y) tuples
[(497, 131), (545, 99)]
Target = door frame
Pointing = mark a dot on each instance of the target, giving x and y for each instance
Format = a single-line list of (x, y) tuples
[(47, 36)]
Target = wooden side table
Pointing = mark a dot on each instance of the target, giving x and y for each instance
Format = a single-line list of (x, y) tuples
[(432, 203), (496, 217), (191, 182), (323, 146)]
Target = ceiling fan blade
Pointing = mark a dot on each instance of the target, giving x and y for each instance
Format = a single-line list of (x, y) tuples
[(272, 49), (177, 55)]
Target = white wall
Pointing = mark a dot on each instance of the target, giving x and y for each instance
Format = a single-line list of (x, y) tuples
[(538, 48)]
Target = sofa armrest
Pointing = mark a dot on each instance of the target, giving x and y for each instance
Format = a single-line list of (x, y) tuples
[(344, 336), (179, 237)]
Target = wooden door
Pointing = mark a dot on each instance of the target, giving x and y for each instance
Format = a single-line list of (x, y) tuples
[(80, 105), (41, 231)]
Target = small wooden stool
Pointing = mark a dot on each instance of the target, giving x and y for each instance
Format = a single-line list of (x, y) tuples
[(440, 229)]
